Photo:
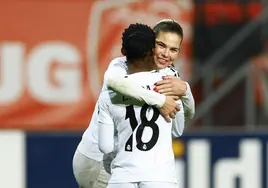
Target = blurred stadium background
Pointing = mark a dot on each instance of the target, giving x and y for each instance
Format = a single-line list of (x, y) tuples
[(52, 58)]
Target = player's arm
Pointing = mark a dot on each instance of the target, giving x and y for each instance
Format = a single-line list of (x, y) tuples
[(128, 87), (178, 123), (115, 79), (116, 69), (188, 103), (119, 82), (171, 85), (106, 127)]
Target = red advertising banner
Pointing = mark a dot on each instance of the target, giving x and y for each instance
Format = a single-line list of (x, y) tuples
[(53, 55)]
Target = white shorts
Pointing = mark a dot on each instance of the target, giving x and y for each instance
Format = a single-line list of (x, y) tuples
[(89, 173), (148, 184)]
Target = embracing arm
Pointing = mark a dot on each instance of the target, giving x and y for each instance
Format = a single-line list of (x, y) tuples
[(171, 85), (114, 78), (106, 138), (178, 123), (188, 103), (130, 88), (106, 128), (166, 104)]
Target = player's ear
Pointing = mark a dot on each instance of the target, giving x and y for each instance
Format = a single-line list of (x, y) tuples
[(123, 52)]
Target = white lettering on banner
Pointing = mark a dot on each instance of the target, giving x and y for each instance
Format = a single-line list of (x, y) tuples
[(12, 159), (180, 168), (39, 63), (247, 167), (11, 57), (37, 66), (198, 166)]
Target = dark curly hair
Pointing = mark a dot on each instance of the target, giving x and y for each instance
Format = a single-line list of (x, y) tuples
[(137, 41)]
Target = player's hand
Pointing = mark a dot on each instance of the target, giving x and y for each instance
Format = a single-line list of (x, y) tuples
[(170, 108), (171, 85)]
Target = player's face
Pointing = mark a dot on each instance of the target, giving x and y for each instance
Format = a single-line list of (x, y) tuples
[(167, 48)]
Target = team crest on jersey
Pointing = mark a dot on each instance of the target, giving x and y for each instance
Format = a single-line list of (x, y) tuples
[(144, 146), (129, 148)]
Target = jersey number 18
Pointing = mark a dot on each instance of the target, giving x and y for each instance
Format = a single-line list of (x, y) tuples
[(130, 114)]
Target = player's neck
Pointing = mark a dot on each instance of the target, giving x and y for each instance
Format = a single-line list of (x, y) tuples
[(138, 66)]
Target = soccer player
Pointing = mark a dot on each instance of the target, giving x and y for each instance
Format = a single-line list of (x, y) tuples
[(168, 43), (89, 164), (138, 134)]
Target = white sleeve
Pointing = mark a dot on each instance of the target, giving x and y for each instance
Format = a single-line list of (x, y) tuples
[(188, 103), (115, 69), (178, 123), (114, 78), (106, 128), (127, 86)]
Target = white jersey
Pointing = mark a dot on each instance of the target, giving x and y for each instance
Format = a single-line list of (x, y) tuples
[(143, 137), (88, 146), (89, 143)]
